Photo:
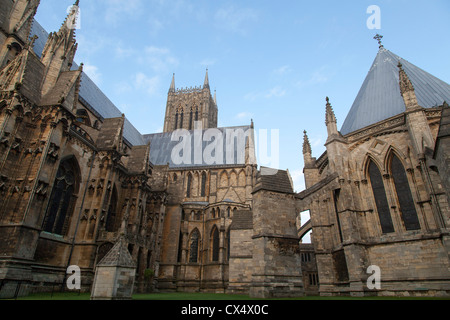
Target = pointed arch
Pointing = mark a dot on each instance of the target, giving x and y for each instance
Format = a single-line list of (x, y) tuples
[(404, 195), (379, 193), (392, 150), (242, 178), (63, 197), (194, 241), (215, 244), (233, 178), (367, 161), (224, 179)]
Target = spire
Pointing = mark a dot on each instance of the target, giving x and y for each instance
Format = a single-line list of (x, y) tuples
[(60, 49), (70, 23), (172, 85), (405, 82), (330, 116), (330, 120), (407, 89), (215, 97), (306, 144), (206, 84)]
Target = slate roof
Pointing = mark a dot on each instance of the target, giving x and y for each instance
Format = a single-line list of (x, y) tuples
[(379, 97), (162, 146)]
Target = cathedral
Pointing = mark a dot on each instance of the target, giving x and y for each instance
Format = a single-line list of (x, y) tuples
[(191, 204)]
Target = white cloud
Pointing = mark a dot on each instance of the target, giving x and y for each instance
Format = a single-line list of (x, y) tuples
[(93, 73), (159, 59), (244, 115), (148, 84), (277, 91), (235, 19), (282, 70), (318, 76)]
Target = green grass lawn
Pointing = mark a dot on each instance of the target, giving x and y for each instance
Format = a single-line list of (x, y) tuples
[(202, 296)]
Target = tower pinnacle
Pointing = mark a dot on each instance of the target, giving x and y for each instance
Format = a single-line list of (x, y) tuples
[(206, 84)]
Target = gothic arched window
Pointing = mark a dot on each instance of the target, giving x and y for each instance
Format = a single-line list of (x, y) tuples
[(193, 246), (189, 186), (176, 121), (181, 119), (215, 243), (203, 191), (376, 180), (190, 120), (180, 247), (404, 196), (63, 197)]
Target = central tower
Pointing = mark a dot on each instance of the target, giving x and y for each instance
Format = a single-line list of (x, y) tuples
[(187, 105)]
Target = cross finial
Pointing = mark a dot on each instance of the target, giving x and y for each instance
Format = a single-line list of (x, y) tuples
[(378, 37)]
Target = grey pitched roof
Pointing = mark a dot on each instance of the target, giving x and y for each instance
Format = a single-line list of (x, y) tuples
[(162, 146), (90, 94), (379, 97)]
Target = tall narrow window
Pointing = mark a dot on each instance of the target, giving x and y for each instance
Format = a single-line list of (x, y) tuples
[(190, 120), (180, 248), (376, 180), (189, 185), (215, 243), (203, 191), (404, 196), (196, 114), (176, 121), (193, 247), (181, 119), (62, 199)]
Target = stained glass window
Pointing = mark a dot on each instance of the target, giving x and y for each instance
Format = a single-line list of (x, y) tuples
[(62, 198), (404, 196), (379, 193), (193, 249)]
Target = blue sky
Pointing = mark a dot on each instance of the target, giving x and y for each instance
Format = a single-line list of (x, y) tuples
[(271, 61)]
